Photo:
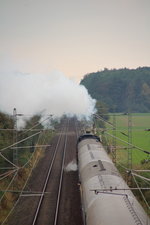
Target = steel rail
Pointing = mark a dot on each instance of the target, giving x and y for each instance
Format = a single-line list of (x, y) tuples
[(46, 181), (77, 130), (60, 181)]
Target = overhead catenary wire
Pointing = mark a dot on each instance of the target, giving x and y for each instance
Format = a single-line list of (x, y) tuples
[(10, 183), (7, 174), (8, 160), (125, 168), (118, 189), (141, 170), (121, 130), (30, 146), (29, 160), (142, 177), (35, 125), (23, 185), (30, 129), (1, 150), (11, 146), (9, 129), (100, 117), (129, 144), (13, 163), (139, 188), (147, 182), (133, 146), (48, 192), (6, 168), (128, 171), (27, 192), (122, 114), (18, 168)]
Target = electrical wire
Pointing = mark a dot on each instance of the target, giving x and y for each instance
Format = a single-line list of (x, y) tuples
[(141, 192), (18, 168), (12, 209), (9, 184), (143, 178), (6, 174), (8, 160), (133, 146), (30, 146), (98, 116), (30, 157), (147, 152), (35, 125), (129, 144), (20, 141)]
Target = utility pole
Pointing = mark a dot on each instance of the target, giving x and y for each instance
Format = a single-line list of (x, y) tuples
[(114, 139), (129, 140), (15, 139), (129, 146), (15, 150)]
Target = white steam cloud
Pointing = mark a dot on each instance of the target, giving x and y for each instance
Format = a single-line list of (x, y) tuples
[(72, 166), (49, 93)]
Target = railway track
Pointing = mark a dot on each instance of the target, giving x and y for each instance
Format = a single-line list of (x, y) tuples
[(59, 200), (52, 192), (65, 202)]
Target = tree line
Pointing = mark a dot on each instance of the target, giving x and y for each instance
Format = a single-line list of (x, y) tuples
[(122, 90)]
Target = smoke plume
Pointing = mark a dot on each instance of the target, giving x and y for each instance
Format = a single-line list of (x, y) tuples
[(49, 93)]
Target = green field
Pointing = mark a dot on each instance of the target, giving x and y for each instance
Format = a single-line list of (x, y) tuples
[(140, 136), (141, 139)]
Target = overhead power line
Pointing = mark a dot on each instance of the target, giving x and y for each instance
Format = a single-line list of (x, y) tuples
[(8, 187), (139, 188), (31, 146), (8, 160), (35, 125), (1, 150), (6, 174), (133, 146), (144, 178), (8, 129)]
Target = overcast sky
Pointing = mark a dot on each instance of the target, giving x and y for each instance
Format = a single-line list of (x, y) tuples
[(74, 36)]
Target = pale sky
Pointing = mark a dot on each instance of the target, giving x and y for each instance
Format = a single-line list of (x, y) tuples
[(75, 37)]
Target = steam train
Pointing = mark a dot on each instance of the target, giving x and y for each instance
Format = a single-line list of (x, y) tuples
[(106, 198)]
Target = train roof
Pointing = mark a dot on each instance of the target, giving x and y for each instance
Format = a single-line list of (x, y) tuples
[(88, 136)]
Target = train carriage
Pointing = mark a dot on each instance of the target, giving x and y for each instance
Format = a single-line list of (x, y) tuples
[(106, 198)]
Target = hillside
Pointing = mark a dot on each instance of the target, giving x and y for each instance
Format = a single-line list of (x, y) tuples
[(122, 90)]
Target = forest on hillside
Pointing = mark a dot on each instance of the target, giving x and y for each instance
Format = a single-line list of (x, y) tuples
[(122, 90)]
